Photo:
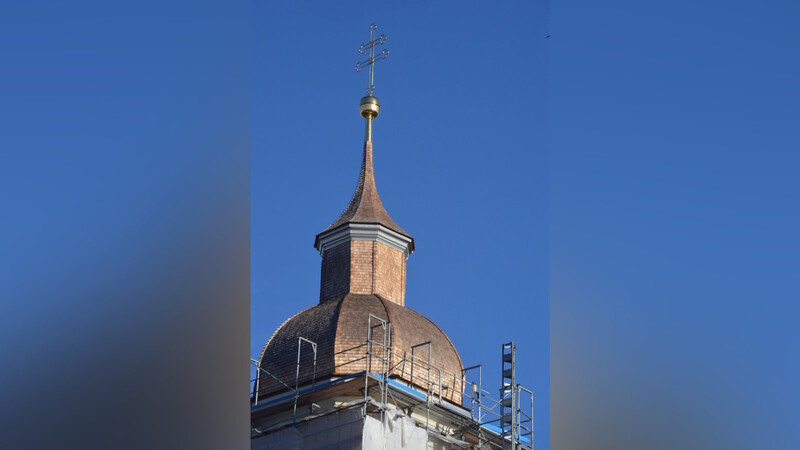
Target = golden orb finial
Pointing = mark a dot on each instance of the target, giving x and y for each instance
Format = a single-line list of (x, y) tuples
[(369, 107)]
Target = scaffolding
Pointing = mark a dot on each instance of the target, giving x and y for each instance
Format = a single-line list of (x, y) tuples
[(384, 358), (300, 341), (502, 423), (512, 410), (428, 390), (296, 390), (508, 407), (516, 424)]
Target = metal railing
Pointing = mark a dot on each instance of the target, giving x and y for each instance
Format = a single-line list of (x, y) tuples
[(381, 364), (296, 389)]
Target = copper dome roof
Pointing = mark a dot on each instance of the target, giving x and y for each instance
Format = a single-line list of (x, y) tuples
[(339, 328)]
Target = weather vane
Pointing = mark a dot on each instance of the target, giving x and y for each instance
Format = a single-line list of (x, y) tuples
[(370, 62)]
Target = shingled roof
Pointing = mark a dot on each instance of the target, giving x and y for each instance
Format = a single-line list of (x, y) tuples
[(366, 205), (339, 328)]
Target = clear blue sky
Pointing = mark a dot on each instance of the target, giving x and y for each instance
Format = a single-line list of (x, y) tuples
[(460, 161)]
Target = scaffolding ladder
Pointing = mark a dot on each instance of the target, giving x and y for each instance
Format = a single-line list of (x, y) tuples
[(508, 398), (384, 355)]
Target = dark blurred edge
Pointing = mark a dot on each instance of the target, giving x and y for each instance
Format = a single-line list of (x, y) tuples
[(674, 311), (126, 320)]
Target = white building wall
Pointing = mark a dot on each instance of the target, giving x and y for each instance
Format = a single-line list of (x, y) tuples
[(348, 430), (399, 432), (340, 430)]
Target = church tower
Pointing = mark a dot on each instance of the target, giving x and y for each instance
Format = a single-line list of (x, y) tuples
[(364, 251), (359, 369)]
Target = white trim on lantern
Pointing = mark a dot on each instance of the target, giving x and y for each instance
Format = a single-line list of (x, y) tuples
[(364, 232)]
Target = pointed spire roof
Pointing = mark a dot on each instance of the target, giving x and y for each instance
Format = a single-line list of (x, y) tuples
[(366, 207)]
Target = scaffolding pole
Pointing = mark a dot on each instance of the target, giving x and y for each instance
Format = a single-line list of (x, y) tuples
[(428, 388), (300, 341), (259, 370), (508, 397), (528, 418), (385, 343), (475, 398)]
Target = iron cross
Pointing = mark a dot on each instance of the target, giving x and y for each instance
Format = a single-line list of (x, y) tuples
[(370, 62)]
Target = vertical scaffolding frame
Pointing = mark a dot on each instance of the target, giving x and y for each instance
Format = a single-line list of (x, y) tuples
[(300, 341), (259, 371), (475, 398), (523, 417), (475, 391), (385, 352), (508, 398), (428, 389), (430, 354), (258, 379)]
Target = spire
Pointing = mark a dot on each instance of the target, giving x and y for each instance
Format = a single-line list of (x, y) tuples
[(366, 206), (364, 251)]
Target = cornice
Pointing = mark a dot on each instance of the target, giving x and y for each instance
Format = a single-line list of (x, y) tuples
[(364, 232)]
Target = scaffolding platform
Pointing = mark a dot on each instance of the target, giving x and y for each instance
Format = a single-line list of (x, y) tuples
[(399, 402)]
